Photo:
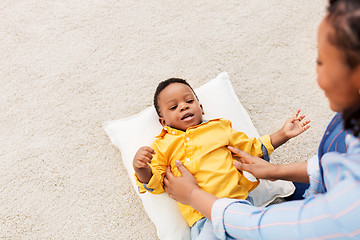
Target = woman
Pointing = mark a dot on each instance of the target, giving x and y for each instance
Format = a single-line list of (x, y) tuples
[(332, 208)]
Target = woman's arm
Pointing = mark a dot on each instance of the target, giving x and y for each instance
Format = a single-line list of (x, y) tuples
[(185, 190), (296, 172), (326, 215), (333, 215), (316, 218)]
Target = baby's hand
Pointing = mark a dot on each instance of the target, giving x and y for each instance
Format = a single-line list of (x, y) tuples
[(295, 125), (143, 157)]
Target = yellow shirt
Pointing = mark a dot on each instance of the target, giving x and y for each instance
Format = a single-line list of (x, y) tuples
[(202, 149)]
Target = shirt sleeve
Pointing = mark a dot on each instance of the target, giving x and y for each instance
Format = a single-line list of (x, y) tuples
[(252, 146), (266, 141), (333, 215), (158, 166), (313, 171), (330, 215)]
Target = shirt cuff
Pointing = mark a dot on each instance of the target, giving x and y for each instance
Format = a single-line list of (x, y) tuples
[(313, 171), (266, 141), (155, 185), (217, 214)]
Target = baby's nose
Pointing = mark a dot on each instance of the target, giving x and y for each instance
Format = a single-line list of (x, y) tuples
[(184, 106)]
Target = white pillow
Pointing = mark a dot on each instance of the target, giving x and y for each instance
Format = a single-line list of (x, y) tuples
[(129, 134)]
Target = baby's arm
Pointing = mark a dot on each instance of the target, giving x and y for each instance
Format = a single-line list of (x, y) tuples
[(141, 163), (150, 165), (293, 127)]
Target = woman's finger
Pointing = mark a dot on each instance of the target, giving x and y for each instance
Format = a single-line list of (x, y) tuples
[(242, 156), (240, 166), (183, 170), (166, 184), (237, 165), (168, 174), (167, 178), (235, 150)]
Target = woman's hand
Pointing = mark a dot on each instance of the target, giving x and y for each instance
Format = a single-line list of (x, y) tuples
[(180, 188), (296, 172), (185, 190), (256, 166)]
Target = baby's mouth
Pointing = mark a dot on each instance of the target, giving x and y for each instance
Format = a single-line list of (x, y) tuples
[(187, 116)]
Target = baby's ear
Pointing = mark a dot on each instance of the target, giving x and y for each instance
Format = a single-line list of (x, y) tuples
[(202, 109), (162, 121)]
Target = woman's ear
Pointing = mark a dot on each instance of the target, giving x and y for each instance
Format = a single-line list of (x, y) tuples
[(162, 121)]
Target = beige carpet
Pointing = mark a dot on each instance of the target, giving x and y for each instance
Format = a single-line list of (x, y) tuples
[(68, 66)]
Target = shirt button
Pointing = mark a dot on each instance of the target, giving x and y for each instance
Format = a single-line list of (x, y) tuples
[(187, 159), (173, 132), (187, 139)]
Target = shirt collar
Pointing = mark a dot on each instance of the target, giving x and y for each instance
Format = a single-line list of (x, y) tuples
[(173, 131)]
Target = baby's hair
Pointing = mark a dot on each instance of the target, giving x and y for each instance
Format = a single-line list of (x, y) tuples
[(162, 85)]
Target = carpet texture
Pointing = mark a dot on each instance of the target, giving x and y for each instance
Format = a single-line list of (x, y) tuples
[(66, 67)]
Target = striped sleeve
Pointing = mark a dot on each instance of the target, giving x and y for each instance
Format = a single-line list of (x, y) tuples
[(330, 215), (312, 218), (314, 177)]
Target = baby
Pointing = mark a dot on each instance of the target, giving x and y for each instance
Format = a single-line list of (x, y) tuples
[(202, 147)]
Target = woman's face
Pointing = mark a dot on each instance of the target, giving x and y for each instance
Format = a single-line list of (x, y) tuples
[(340, 83)]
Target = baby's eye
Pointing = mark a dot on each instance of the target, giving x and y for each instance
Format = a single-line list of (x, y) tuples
[(173, 107), (190, 101)]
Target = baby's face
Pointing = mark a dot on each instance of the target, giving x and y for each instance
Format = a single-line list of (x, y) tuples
[(179, 107)]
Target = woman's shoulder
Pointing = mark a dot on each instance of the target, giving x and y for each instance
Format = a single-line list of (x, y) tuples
[(350, 160), (340, 167)]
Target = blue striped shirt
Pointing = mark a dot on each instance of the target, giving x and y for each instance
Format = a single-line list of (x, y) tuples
[(334, 214)]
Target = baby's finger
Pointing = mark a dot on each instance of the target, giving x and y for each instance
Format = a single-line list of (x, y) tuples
[(147, 156), (303, 124), (140, 164), (148, 149), (306, 127), (306, 122), (144, 159), (147, 152), (300, 118)]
